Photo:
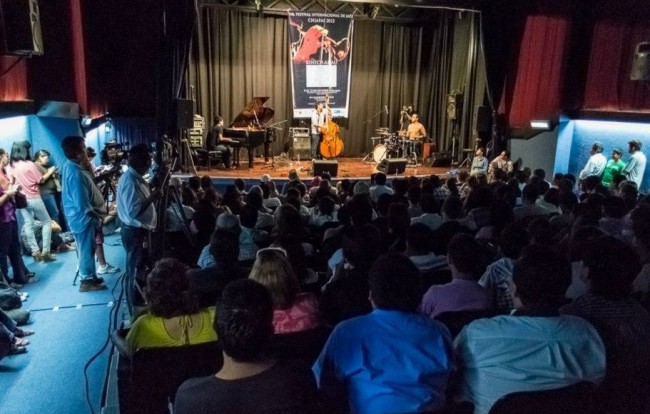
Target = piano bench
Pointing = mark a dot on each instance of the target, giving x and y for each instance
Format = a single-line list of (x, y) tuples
[(206, 158)]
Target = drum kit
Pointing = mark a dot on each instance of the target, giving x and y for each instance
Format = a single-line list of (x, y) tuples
[(392, 145)]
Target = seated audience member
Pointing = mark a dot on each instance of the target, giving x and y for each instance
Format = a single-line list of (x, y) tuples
[(452, 210), (204, 221), (418, 242), (393, 360), (614, 220), (346, 294), (265, 220), (477, 206), (248, 382), (174, 317), (293, 311), (529, 196), (430, 212), (250, 238), (463, 292), (225, 221), (232, 199), (58, 244), (640, 218), (534, 348), (270, 195), (567, 201), (325, 211), (194, 183), (208, 282), (12, 338), (398, 221), (498, 275), (500, 215), (620, 320), (414, 196), (380, 187), (578, 240)]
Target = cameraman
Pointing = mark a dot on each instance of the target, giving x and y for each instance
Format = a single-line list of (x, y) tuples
[(84, 209), (138, 214)]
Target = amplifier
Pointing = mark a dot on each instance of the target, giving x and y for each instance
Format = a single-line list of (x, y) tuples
[(299, 132)]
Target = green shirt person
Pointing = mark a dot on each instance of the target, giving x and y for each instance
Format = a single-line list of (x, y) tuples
[(613, 168)]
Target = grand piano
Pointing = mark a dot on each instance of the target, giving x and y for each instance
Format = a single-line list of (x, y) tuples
[(249, 129)]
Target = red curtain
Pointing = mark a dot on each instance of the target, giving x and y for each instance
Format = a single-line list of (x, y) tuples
[(608, 85), (537, 91), (79, 56), (13, 85)]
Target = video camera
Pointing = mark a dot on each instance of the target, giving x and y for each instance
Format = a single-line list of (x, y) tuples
[(113, 153)]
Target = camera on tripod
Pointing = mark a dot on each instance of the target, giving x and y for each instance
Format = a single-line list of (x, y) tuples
[(113, 153)]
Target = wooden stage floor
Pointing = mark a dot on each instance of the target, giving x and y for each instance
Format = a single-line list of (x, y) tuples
[(352, 168)]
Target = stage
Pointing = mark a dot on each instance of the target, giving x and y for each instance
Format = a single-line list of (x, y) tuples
[(352, 168)]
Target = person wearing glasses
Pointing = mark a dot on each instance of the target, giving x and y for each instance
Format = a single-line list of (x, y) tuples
[(294, 311)]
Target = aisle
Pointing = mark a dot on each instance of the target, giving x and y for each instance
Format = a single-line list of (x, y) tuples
[(70, 328)]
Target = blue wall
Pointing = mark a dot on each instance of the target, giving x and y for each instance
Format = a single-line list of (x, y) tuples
[(576, 137), (47, 133)]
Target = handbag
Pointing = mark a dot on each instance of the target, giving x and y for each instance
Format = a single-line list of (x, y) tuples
[(20, 200)]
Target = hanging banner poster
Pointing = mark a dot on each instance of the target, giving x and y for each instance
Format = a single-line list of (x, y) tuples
[(320, 46)]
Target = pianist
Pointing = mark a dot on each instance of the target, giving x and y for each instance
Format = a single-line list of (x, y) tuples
[(216, 142)]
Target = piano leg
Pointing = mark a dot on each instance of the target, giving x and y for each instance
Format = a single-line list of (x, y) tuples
[(250, 157), (267, 144), (235, 156)]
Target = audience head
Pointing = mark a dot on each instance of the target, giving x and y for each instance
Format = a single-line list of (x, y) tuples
[(248, 216), (452, 208), (240, 185), (360, 245), (21, 151), (359, 209), (612, 265), (395, 283), (418, 240), (73, 148), (380, 178), (640, 218), (398, 219), (541, 278), (634, 146), (273, 270), (529, 194), (140, 158), (514, 238), (168, 290), (206, 182), (429, 204), (596, 148), (224, 247), (194, 182), (465, 257), (540, 173), (244, 320)]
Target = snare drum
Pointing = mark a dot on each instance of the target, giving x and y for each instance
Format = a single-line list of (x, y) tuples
[(379, 153)]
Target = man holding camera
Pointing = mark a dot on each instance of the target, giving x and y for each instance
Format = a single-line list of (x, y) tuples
[(84, 210), (138, 214)]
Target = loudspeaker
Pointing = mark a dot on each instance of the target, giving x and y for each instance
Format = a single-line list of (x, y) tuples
[(392, 166), (184, 113), (22, 27), (438, 159), (321, 166), (454, 103), (483, 119), (641, 63)]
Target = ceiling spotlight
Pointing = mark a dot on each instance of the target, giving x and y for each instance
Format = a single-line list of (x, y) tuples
[(540, 124)]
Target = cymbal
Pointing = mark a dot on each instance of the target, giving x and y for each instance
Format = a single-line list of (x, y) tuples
[(381, 131)]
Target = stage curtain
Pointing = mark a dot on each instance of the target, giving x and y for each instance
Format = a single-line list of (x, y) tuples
[(13, 83), (608, 86), (238, 55), (540, 70)]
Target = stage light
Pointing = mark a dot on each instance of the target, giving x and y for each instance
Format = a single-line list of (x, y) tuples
[(86, 121), (107, 127), (540, 124)]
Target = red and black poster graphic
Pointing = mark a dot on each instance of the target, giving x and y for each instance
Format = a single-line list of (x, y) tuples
[(320, 47)]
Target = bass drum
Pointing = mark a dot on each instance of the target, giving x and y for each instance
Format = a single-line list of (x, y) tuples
[(379, 153)]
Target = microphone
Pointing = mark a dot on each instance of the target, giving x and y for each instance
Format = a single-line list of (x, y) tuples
[(386, 109)]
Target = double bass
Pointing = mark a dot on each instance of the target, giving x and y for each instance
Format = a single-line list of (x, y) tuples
[(332, 144)]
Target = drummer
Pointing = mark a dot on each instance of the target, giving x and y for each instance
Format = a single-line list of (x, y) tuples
[(416, 133)]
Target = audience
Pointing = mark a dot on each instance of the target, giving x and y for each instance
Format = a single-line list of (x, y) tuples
[(248, 382), (622, 323), (463, 292), (534, 348), (294, 311), (392, 360), (173, 316)]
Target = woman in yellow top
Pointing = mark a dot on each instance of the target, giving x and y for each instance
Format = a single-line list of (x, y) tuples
[(174, 317)]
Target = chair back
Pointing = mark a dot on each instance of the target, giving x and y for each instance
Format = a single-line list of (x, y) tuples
[(456, 321), (302, 346), (152, 375), (572, 399)]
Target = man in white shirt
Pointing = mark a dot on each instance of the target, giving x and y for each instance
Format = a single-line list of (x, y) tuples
[(317, 121), (596, 164), (636, 164), (137, 212), (479, 163), (380, 187)]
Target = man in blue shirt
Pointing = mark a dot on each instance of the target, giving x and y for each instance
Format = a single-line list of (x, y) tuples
[(392, 360), (84, 210)]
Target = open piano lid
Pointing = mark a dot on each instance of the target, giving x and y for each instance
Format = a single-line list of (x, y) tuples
[(253, 112)]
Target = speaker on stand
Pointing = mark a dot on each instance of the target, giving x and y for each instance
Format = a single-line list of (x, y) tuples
[(21, 20), (641, 63), (454, 105)]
